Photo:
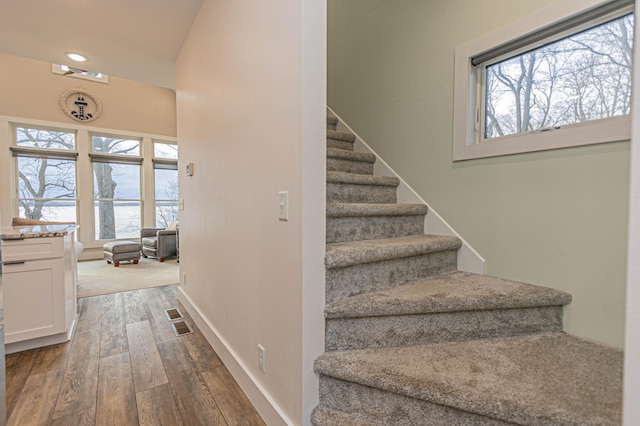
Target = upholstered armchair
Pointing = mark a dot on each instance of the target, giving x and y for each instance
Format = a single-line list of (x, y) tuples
[(158, 242)]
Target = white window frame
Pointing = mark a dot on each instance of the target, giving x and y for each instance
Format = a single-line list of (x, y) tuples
[(167, 164), (107, 158), (84, 172), (59, 154), (468, 89)]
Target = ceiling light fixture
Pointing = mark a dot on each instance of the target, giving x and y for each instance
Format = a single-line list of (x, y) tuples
[(76, 57)]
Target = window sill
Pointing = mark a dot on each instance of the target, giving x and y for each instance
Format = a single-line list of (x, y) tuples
[(602, 131)]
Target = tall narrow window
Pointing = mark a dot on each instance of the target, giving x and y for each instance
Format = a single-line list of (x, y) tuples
[(116, 187), (165, 164), (46, 173)]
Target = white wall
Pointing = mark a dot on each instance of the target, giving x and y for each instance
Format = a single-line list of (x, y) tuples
[(555, 218), (314, 153), (250, 96), (632, 342), (29, 89)]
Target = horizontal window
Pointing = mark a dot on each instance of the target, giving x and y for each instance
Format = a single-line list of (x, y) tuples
[(165, 150), (570, 87), (583, 77), (44, 138), (115, 145)]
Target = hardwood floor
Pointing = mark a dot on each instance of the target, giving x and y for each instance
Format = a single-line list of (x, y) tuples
[(125, 366)]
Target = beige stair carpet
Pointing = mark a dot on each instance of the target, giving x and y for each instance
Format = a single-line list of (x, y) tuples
[(409, 340), (96, 277)]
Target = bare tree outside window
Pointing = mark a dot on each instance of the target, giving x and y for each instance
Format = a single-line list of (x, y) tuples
[(111, 185), (46, 184), (584, 77), (166, 183), (167, 203), (46, 161), (165, 150)]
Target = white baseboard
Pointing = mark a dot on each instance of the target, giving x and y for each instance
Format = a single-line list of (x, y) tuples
[(39, 342), (469, 260), (91, 253), (268, 409)]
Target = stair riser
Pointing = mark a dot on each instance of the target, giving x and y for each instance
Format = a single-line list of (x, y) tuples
[(347, 166), (334, 143), (361, 278), (340, 229), (350, 193), (392, 408), (332, 126), (325, 416), (407, 330)]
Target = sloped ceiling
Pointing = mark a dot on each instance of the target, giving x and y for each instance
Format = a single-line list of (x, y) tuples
[(133, 39)]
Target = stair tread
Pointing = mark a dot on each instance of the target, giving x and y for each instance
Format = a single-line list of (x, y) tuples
[(332, 119), (364, 209), (550, 378), (344, 154), (339, 255), (454, 292), (340, 136), (359, 179)]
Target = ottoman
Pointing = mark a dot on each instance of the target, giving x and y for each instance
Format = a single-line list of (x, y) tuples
[(118, 251)]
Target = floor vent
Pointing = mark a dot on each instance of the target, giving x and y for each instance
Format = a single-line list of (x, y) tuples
[(173, 314), (180, 328)]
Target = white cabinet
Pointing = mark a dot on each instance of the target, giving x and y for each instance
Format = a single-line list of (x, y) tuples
[(34, 302), (39, 279)]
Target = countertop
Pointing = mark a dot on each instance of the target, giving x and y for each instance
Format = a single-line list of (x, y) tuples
[(36, 231)]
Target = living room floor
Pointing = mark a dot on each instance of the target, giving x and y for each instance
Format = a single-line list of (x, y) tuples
[(125, 366)]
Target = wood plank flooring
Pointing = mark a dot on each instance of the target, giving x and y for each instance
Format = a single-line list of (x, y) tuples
[(125, 366)]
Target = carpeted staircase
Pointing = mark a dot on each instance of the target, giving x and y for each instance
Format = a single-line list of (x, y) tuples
[(412, 341)]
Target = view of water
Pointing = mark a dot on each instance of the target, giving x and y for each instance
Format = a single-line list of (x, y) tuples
[(128, 217)]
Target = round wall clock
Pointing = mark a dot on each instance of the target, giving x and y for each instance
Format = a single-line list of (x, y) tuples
[(80, 105)]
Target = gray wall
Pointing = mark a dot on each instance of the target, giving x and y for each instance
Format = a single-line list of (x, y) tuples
[(556, 218)]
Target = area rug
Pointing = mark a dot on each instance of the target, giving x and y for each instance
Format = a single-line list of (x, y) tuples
[(96, 277)]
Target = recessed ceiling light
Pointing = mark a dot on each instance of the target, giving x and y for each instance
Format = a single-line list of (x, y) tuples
[(76, 57)]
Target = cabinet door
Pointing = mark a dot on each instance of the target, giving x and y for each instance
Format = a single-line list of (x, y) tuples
[(34, 299)]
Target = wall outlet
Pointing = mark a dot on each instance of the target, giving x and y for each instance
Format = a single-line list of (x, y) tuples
[(184, 279), (262, 358)]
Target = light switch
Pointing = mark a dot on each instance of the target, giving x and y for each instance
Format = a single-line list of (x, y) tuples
[(283, 200), (181, 203)]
